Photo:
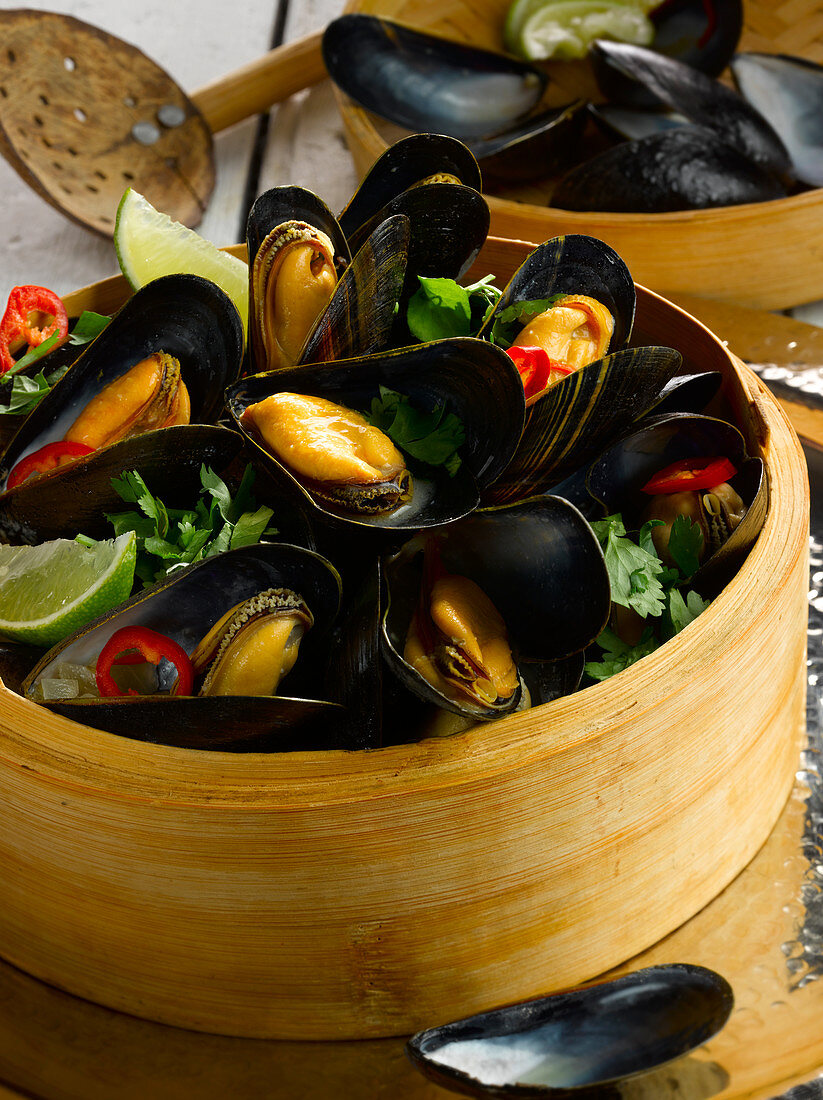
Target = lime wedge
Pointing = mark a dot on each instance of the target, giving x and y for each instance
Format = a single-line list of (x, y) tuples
[(564, 29), (150, 244), (49, 591)]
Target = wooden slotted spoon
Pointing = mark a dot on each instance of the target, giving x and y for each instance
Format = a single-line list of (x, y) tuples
[(84, 115)]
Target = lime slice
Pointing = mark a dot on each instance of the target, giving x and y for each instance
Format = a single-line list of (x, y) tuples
[(149, 244), (564, 29), (49, 591)]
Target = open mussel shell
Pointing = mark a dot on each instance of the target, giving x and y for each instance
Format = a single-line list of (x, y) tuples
[(688, 393), (580, 415), (541, 566), (788, 92), (292, 203), (704, 101), (471, 378), (545, 144), (699, 34), (578, 1044), (448, 222), (687, 168), (425, 82), (360, 315), (574, 264), (418, 158), (185, 607)]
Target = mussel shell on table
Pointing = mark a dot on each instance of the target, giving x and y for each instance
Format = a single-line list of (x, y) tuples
[(418, 158), (581, 1043), (541, 566), (185, 316), (473, 379), (185, 607)]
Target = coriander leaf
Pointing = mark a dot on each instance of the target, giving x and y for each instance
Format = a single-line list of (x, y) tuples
[(685, 544), (123, 522), (221, 541), (619, 658), (161, 548), (438, 309), (88, 326), (644, 538), (218, 489), (250, 527), (432, 436), (633, 572), (244, 497)]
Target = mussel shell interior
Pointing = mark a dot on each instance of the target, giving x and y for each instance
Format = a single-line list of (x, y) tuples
[(76, 498), (407, 162), (688, 393), (575, 264), (474, 379), (586, 1037), (545, 144), (188, 317), (360, 314), (684, 168), (704, 101), (788, 92), (185, 607), (425, 82)]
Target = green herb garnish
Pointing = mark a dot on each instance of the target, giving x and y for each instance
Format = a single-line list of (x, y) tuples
[(172, 538), (431, 437), (634, 573), (441, 308), (509, 321), (618, 655), (88, 326)]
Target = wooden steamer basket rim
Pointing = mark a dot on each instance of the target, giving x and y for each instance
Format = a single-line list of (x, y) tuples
[(753, 254), (425, 881)]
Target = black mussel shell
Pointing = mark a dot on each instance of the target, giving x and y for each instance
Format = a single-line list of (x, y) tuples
[(75, 499), (626, 124), (688, 168), (688, 393), (704, 101), (544, 145), (580, 415), (550, 680), (449, 224), (292, 203), (700, 33), (425, 82), (574, 264), (360, 314), (184, 608), (539, 563), (615, 478), (409, 161), (576, 1044), (472, 378), (788, 92)]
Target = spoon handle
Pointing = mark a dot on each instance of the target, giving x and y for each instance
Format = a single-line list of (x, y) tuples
[(256, 86)]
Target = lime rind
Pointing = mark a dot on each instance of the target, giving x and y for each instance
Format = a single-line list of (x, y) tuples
[(49, 591), (150, 244)]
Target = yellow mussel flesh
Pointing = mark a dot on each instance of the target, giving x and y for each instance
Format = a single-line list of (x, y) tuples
[(574, 332)]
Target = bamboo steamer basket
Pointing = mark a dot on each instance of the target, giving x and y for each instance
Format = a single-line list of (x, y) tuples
[(354, 895), (760, 254)]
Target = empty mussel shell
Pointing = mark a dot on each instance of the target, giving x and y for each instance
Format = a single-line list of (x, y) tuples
[(578, 1043), (471, 378), (184, 608), (685, 168), (545, 144), (418, 158), (787, 91), (704, 101), (541, 566), (426, 82), (688, 393)]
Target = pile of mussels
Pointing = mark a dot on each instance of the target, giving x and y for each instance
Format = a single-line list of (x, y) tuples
[(397, 593)]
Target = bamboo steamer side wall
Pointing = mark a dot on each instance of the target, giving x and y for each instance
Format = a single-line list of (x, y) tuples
[(336, 895), (760, 254)]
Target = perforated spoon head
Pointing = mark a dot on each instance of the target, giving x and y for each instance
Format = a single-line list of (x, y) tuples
[(84, 115)]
